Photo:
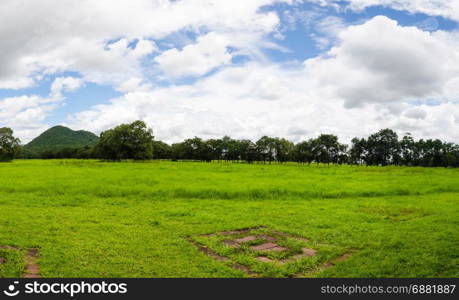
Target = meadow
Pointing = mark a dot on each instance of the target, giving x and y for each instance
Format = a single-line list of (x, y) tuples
[(128, 219)]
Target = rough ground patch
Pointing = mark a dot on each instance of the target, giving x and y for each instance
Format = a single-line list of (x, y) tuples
[(264, 252), (31, 268)]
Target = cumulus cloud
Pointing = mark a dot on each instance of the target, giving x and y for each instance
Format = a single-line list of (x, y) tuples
[(416, 113), (96, 38), (64, 84), (382, 62), (447, 9), (328, 29), (368, 81), (209, 52), (444, 8), (110, 42), (228, 103), (374, 75), (26, 113)]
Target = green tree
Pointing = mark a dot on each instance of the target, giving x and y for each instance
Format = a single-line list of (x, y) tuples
[(407, 150), (248, 151), (161, 150), (327, 149), (358, 151), (216, 147), (266, 148), (126, 141), (283, 149), (178, 151), (303, 152), (383, 147), (9, 145)]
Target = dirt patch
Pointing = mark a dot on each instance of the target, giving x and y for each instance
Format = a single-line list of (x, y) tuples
[(244, 269), (231, 243), (230, 232), (10, 248), (264, 242), (208, 234), (2, 260), (208, 251), (337, 260), (264, 259), (32, 269), (214, 255), (239, 231), (267, 238), (306, 252), (303, 239), (289, 235), (268, 247), (246, 239)]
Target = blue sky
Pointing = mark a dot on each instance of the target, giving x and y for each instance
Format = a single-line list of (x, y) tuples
[(283, 68)]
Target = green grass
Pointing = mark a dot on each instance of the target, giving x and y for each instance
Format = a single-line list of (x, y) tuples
[(14, 263), (97, 219)]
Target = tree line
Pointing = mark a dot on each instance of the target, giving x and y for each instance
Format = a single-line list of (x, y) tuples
[(136, 141)]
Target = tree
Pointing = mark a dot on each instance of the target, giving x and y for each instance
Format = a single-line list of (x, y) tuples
[(303, 152), (327, 149), (9, 145), (126, 141), (233, 150), (358, 152), (135, 141), (178, 151), (383, 147), (216, 147), (267, 148), (407, 150), (283, 149), (248, 150), (161, 150)]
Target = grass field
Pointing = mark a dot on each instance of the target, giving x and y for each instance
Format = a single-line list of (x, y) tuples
[(97, 219)]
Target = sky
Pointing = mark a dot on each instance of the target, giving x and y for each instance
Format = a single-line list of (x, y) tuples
[(243, 68)]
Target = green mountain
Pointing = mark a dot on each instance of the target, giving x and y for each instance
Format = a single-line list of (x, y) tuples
[(60, 137)]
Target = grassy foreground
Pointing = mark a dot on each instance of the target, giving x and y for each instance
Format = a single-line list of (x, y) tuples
[(97, 219)]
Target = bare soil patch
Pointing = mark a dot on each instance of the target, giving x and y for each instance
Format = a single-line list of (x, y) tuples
[(32, 269), (268, 247), (260, 245)]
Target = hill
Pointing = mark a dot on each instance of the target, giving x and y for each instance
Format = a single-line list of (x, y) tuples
[(60, 137)]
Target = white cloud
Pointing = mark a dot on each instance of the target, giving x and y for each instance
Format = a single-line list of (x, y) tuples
[(381, 62), (248, 106), (328, 28), (134, 84), (65, 84), (330, 25), (47, 36), (208, 53), (107, 42), (416, 113), (377, 74), (26, 113), (368, 81), (444, 8)]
